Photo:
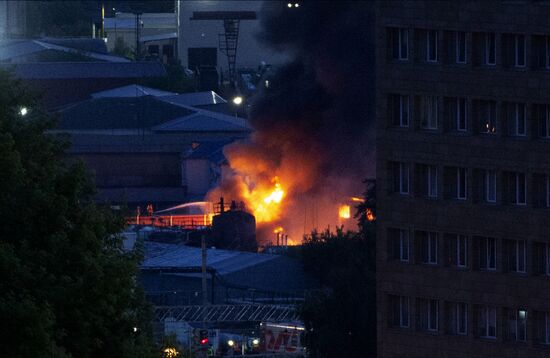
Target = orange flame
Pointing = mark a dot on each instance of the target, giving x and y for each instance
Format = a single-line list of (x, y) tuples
[(265, 202), (370, 215), (344, 212)]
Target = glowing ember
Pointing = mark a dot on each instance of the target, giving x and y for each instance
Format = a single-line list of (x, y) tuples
[(370, 215), (344, 212)]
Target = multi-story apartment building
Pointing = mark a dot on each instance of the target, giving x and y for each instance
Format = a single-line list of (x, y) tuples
[(463, 166)]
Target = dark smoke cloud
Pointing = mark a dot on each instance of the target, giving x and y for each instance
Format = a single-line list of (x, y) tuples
[(312, 122), (327, 91)]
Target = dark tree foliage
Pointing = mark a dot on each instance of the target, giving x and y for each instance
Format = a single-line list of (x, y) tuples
[(340, 320), (66, 287)]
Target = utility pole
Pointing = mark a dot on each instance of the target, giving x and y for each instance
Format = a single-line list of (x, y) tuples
[(204, 286)]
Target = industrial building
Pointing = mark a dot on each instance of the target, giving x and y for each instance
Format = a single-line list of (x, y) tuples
[(463, 118)]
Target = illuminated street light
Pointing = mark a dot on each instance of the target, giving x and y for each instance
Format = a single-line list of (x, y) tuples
[(238, 100), (255, 341), (296, 5), (289, 5), (23, 111), (230, 343)]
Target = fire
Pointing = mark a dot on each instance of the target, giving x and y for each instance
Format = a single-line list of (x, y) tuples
[(357, 200), (265, 202), (370, 215), (344, 212), (278, 230)]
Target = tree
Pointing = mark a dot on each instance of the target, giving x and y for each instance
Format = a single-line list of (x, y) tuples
[(67, 289), (340, 320)]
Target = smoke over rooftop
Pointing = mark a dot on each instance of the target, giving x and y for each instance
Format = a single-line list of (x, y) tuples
[(312, 123)]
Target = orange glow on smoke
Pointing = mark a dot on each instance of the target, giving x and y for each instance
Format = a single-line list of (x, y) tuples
[(265, 201), (344, 212), (278, 230)]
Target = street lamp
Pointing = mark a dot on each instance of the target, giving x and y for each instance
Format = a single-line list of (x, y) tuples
[(23, 111), (230, 343), (237, 100)]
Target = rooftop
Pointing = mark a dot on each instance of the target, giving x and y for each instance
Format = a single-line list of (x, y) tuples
[(81, 70)]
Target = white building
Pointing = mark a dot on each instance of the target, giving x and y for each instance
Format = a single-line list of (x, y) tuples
[(199, 40)]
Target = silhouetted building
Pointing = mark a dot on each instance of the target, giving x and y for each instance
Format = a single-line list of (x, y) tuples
[(463, 166)]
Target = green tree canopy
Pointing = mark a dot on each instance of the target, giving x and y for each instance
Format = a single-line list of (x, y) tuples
[(340, 320), (67, 289)]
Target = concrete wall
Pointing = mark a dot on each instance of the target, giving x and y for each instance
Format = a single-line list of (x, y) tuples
[(203, 33)]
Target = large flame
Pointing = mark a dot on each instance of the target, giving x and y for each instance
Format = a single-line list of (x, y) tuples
[(264, 202)]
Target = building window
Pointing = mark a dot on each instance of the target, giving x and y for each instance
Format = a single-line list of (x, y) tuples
[(460, 39), (516, 255), (432, 181), (546, 337), (400, 44), (400, 311), (547, 180), (518, 120), (547, 57), (461, 114), (488, 116), (517, 325), (543, 112), (459, 318), (546, 262), (520, 53), (433, 315), (431, 42), (518, 188), (488, 322), (490, 49), (487, 253), (430, 110), (400, 244), (429, 248), (402, 178), (400, 110), (461, 251), (461, 183), (490, 186)]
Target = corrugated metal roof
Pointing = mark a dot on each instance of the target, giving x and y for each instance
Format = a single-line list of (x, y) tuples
[(223, 261), (201, 122), (120, 113), (132, 91), (195, 98), (72, 70)]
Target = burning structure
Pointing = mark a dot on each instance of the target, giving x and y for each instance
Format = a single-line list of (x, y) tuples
[(311, 147)]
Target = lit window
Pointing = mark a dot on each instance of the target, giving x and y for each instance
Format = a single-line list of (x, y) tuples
[(488, 113), (490, 49), (490, 186), (431, 41), (517, 325), (460, 39)]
